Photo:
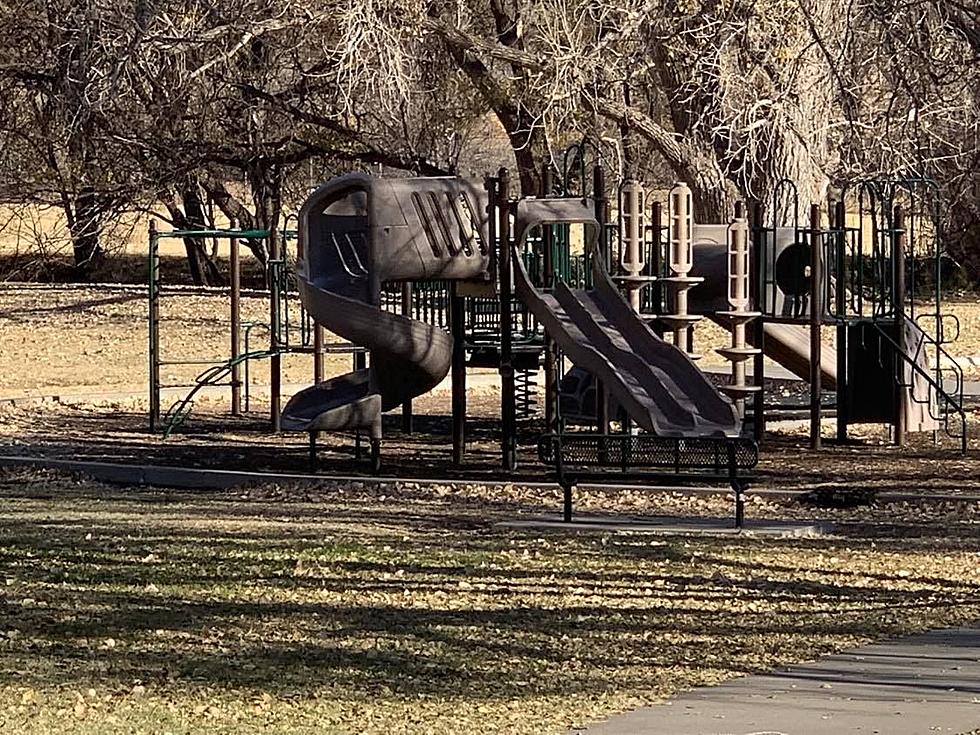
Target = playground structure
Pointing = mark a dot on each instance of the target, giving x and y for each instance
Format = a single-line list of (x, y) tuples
[(426, 277)]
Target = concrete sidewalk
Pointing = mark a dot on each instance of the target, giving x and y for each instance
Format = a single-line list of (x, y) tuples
[(923, 684)]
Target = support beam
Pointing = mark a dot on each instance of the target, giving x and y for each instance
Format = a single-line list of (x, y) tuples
[(154, 325), (407, 312), (275, 361), (235, 286), (550, 348), (601, 251), (840, 298), (457, 316), (898, 300), (816, 320), (759, 326), (508, 407)]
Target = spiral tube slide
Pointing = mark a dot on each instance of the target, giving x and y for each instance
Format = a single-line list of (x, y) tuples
[(357, 232)]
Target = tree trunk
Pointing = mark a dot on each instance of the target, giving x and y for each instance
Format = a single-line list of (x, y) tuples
[(265, 180), (85, 226), (203, 270), (207, 272), (713, 195), (530, 148), (233, 209)]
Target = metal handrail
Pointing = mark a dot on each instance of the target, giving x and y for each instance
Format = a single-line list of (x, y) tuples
[(179, 410), (952, 402)]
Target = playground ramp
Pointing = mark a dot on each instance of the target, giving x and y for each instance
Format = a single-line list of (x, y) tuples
[(658, 386)]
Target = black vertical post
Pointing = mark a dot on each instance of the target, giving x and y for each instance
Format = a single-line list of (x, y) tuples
[(759, 325), (550, 349), (898, 300), (507, 396), (407, 312), (154, 324), (599, 202), (276, 263), (235, 288), (816, 320), (840, 294), (360, 362), (457, 323), (656, 257), (317, 353)]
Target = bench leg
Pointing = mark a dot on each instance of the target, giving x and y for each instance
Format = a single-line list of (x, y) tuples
[(739, 487), (566, 506)]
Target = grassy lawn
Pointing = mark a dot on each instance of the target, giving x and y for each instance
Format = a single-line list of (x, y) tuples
[(365, 608)]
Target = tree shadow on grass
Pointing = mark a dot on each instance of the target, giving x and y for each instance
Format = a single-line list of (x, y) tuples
[(404, 606)]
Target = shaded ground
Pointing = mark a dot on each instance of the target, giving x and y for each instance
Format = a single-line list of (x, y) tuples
[(117, 432), (375, 608), (399, 607)]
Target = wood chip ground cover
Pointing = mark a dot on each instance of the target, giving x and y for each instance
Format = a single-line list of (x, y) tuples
[(366, 607)]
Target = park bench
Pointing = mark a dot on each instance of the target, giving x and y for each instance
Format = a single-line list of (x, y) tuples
[(635, 458)]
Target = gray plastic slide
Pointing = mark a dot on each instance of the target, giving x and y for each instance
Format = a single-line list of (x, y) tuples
[(789, 344), (658, 386), (356, 232)]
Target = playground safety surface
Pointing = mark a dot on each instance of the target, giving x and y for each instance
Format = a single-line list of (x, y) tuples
[(116, 431)]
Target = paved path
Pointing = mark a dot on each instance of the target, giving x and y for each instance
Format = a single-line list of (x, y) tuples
[(915, 686)]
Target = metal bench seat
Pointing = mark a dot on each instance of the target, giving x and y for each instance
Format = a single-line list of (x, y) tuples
[(603, 458)]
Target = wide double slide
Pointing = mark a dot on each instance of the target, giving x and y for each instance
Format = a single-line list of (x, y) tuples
[(657, 384)]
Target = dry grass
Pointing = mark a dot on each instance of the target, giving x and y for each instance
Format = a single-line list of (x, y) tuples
[(89, 339), (389, 607), (385, 609)]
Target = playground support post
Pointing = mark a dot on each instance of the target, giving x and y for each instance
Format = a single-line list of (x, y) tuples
[(275, 360), (680, 256), (840, 297), (550, 349), (738, 314), (759, 326), (816, 319), (631, 259), (317, 354), (656, 257), (898, 288), (153, 280), (457, 316), (407, 312), (601, 251), (235, 286), (508, 407)]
